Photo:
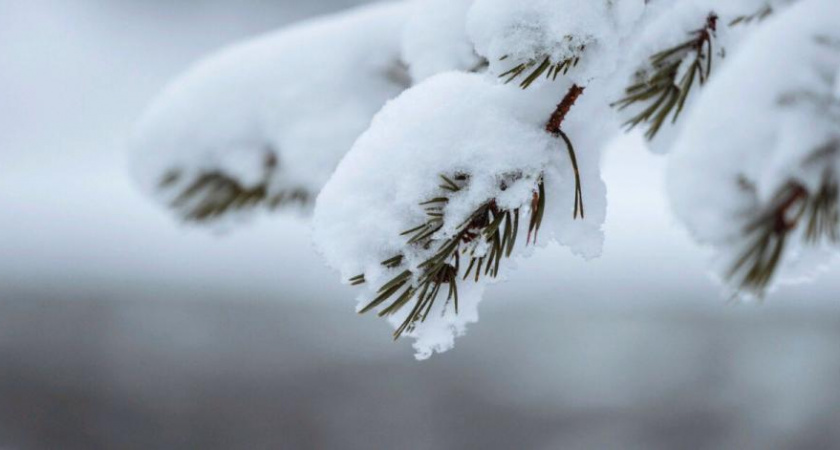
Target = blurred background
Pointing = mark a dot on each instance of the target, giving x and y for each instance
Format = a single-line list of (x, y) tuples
[(121, 329)]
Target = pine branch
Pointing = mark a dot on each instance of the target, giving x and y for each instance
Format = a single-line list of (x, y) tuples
[(758, 16), (488, 224), (554, 126), (769, 234), (665, 95), (543, 65), (213, 194), (824, 214)]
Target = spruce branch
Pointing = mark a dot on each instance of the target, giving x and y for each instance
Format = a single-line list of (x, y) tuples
[(769, 234), (666, 90)]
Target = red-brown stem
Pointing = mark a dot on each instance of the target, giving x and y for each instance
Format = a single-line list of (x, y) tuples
[(555, 123), (783, 223), (555, 127), (704, 34)]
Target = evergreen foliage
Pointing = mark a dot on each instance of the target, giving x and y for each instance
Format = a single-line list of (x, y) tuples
[(665, 90)]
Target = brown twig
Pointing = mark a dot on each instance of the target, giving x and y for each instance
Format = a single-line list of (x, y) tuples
[(555, 123), (555, 127), (784, 223)]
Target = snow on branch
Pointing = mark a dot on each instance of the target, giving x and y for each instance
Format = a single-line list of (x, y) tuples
[(435, 196), (755, 172), (487, 236), (674, 72), (431, 134), (262, 124)]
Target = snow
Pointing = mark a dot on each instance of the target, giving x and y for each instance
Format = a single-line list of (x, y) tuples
[(837, 85), (761, 132), (665, 25), (510, 32), (279, 113), (279, 110), (451, 124), (472, 124), (435, 39)]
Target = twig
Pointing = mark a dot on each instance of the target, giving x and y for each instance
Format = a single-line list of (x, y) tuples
[(555, 127)]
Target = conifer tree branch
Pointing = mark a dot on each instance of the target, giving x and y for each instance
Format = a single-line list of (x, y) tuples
[(211, 195), (544, 64), (769, 234), (758, 16), (664, 94), (554, 127), (555, 122), (489, 224)]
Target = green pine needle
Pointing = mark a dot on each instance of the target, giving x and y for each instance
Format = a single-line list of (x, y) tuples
[(421, 287), (758, 16), (212, 195), (533, 69), (769, 234), (665, 95), (823, 214)]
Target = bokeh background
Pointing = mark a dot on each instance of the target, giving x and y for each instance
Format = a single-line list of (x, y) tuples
[(121, 329)]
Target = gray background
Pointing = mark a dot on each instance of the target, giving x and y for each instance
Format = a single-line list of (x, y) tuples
[(121, 329)]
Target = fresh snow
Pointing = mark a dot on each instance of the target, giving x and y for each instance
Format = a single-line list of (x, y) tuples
[(299, 96), (453, 123), (435, 39), (762, 133), (303, 98)]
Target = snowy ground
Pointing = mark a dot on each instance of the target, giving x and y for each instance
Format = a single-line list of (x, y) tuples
[(120, 329)]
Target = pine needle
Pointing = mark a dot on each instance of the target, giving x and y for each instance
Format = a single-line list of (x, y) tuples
[(769, 234), (664, 94), (758, 16), (212, 195), (422, 286), (534, 69)]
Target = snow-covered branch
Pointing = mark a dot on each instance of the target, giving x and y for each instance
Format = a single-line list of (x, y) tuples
[(263, 124), (498, 114)]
